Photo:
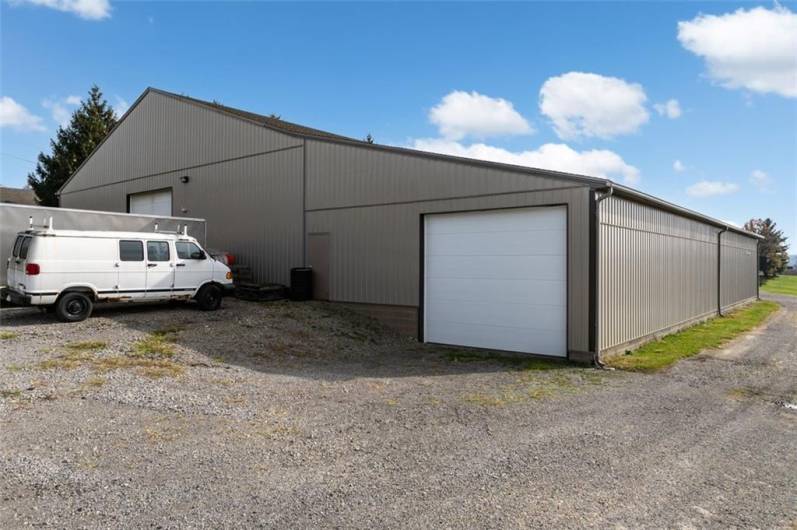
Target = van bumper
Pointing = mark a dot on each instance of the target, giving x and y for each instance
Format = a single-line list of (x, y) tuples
[(13, 297), (228, 289)]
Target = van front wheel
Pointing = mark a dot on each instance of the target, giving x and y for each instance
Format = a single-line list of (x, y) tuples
[(73, 307), (209, 298)]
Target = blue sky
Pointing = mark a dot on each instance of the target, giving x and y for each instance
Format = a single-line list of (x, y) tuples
[(580, 87)]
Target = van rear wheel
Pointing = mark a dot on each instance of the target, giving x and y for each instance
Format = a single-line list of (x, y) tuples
[(209, 298), (73, 307)]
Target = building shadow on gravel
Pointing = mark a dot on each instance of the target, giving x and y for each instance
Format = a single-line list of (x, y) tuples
[(313, 340)]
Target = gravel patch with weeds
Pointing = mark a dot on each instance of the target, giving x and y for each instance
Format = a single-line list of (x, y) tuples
[(307, 414)]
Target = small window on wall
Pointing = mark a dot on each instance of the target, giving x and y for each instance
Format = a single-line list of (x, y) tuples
[(131, 251), (157, 251)]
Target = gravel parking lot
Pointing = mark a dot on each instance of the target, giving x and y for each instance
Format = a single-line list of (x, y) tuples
[(306, 414)]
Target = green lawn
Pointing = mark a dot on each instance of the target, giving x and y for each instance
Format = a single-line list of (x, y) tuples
[(781, 285), (713, 333)]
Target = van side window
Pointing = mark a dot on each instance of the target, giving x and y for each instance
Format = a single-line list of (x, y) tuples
[(157, 251), (187, 250), (23, 249), (17, 244), (131, 251)]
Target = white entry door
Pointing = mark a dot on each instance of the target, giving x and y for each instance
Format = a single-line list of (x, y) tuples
[(152, 203), (497, 279)]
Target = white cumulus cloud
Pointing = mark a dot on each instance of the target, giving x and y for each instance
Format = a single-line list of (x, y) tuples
[(60, 109), (460, 114), (710, 188), (16, 116), (87, 9), (678, 166), (585, 104), (753, 49), (760, 180), (120, 107), (560, 157), (671, 108)]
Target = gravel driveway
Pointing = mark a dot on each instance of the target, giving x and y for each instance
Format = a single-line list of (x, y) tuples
[(299, 415)]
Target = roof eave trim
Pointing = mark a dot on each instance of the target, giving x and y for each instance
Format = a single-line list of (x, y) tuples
[(651, 200)]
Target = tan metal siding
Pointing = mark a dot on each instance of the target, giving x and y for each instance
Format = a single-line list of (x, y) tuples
[(658, 270), (739, 269), (163, 134), (253, 207), (341, 175), (375, 250)]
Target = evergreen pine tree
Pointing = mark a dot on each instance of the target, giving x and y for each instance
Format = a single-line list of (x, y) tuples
[(773, 247), (90, 123)]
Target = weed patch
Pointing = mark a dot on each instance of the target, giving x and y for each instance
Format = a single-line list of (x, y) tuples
[(12, 393), (713, 333), (521, 363), (159, 343), (7, 335), (86, 346)]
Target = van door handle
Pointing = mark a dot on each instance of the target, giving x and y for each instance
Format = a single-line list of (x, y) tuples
[(180, 265), (152, 264)]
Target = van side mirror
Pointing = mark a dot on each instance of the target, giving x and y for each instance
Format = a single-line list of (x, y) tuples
[(199, 254)]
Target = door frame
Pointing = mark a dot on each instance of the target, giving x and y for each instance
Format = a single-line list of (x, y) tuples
[(422, 268)]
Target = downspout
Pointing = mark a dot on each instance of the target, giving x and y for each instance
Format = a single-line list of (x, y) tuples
[(757, 270), (599, 197), (719, 270)]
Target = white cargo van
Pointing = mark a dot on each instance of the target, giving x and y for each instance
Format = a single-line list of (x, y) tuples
[(70, 270)]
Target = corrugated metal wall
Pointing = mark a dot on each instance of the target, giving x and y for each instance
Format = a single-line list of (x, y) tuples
[(371, 202), (658, 270), (15, 218), (165, 134), (249, 193), (739, 268)]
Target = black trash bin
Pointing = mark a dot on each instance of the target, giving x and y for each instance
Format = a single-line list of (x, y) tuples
[(301, 283)]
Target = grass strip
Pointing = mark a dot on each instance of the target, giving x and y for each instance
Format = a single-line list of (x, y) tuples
[(660, 354), (781, 285)]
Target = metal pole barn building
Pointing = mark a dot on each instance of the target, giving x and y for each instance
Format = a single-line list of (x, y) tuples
[(452, 250)]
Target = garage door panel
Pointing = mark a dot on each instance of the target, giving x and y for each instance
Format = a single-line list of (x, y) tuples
[(513, 315), (497, 338), (497, 267), (497, 279), (514, 243), (497, 221), (151, 203), (509, 291)]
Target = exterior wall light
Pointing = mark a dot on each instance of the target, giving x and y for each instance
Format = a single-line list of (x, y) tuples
[(184, 179)]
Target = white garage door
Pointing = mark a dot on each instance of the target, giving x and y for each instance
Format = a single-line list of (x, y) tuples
[(497, 279), (152, 203)]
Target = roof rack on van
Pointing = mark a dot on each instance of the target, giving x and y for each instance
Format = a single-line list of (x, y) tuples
[(47, 223), (183, 232)]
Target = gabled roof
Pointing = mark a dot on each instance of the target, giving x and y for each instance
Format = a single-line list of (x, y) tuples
[(301, 131), (267, 121)]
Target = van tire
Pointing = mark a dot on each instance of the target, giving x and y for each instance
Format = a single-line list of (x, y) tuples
[(73, 307), (209, 298)]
